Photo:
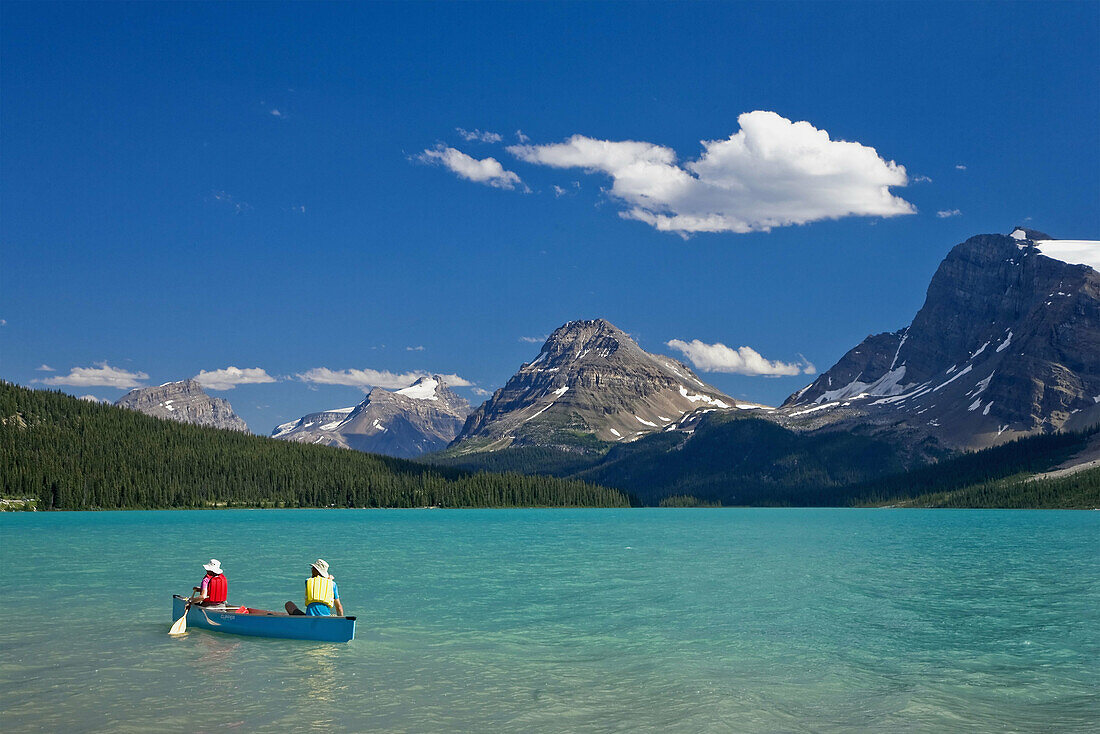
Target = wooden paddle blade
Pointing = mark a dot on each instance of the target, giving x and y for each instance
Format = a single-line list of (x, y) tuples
[(180, 626)]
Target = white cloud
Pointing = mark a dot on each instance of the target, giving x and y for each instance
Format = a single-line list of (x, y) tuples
[(742, 361), (455, 381), (230, 377), (3, 322), (960, 167), (920, 179), (945, 213), (771, 173), (559, 191), (102, 375), (94, 399), (521, 137), (481, 136), (44, 368), (533, 339), (418, 348), (276, 113), (481, 392), (487, 170), (373, 378)]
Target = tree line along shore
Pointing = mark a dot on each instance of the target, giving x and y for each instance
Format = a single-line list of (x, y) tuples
[(61, 453), (69, 454)]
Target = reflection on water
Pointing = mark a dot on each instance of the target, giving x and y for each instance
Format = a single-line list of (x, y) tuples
[(217, 653), (317, 668), (586, 621)]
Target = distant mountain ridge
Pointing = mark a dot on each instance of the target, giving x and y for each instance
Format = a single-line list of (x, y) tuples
[(589, 384), (420, 418), (1007, 344), (184, 401)]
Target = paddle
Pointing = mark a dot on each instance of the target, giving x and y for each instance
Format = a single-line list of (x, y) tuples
[(180, 625)]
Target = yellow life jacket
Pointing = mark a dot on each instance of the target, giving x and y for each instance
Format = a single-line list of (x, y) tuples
[(319, 589)]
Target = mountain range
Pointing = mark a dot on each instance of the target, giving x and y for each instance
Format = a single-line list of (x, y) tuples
[(418, 419), (1006, 345)]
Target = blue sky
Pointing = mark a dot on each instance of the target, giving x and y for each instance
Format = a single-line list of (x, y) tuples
[(187, 188)]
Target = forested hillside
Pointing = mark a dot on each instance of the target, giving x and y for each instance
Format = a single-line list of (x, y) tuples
[(737, 460), (1079, 491), (71, 455)]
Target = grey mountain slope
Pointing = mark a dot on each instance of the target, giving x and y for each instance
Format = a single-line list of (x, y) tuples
[(589, 382), (1006, 344), (184, 401), (424, 417)]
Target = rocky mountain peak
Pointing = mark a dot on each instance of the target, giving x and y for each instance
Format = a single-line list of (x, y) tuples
[(184, 401), (1006, 344), (589, 381), (1026, 233)]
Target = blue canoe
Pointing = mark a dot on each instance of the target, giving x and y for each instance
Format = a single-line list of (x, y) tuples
[(262, 623)]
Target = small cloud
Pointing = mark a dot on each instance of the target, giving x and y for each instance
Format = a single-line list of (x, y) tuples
[(276, 113), (94, 399), (367, 378), (3, 322), (559, 191), (533, 339), (480, 392), (299, 209), (960, 167), (488, 171), (44, 368), (418, 348), (227, 200), (102, 375), (741, 361), (481, 136), (456, 381), (945, 213), (521, 137), (230, 377), (921, 179)]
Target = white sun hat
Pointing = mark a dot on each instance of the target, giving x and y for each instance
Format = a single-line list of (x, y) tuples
[(215, 566), (322, 567)]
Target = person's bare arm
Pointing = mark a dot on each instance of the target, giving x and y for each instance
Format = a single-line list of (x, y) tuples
[(339, 609)]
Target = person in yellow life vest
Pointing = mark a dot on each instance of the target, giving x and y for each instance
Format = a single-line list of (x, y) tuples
[(322, 595)]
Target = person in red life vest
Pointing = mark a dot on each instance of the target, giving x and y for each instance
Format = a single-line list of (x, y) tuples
[(214, 588)]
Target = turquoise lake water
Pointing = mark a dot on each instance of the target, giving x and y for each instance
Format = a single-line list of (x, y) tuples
[(561, 620)]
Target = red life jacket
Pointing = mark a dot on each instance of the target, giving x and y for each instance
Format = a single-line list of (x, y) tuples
[(217, 590)]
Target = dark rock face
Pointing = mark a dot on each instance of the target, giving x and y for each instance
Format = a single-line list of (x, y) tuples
[(1006, 344), (183, 401), (424, 417), (589, 382)]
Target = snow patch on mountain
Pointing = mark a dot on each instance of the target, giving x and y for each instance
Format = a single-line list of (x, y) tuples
[(422, 389), (888, 384), (1074, 252)]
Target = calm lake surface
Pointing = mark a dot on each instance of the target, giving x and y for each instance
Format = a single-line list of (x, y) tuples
[(562, 620)]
